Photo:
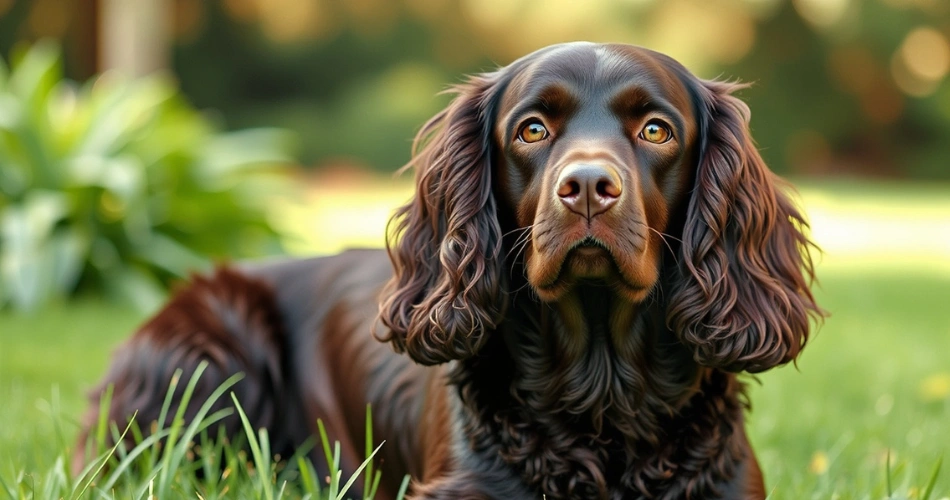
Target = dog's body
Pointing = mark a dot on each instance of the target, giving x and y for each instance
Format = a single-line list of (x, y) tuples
[(594, 250)]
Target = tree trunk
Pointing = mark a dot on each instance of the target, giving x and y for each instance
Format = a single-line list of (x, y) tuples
[(134, 35)]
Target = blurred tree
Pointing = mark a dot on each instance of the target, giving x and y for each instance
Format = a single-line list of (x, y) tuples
[(134, 35), (829, 98), (74, 22)]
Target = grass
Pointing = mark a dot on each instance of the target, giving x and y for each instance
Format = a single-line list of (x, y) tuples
[(874, 382), (864, 415), (180, 459)]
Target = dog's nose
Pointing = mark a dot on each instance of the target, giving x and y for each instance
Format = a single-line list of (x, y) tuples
[(589, 189)]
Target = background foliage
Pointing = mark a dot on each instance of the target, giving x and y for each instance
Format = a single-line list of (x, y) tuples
[(841, 86), (120, 185)]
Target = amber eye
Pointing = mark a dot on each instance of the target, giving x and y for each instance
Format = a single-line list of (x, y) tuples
[(533, 132), (656, 133)]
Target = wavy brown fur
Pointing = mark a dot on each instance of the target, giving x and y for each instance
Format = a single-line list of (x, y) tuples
[(227, 319), (744, 301), (446, 287)]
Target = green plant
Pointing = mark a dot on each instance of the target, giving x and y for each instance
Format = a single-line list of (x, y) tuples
[(120, 185)]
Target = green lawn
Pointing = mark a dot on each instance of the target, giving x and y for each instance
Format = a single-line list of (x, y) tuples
[(875, 378), (51, 359), (874, 381)]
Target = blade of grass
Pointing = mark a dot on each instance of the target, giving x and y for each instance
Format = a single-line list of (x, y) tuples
[(337, 456), (358, 471), (933, 480), (335, 472), (334, 483), (55, 409), (367, 479), (105, 402), (120, 452), (403, 487), (259, 460), (103, 461), (308, 477), (325, 441), (267, 465), (887, 472), (375, 487)]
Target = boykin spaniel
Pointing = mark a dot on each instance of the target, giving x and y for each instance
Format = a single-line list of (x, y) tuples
[(594, 251)]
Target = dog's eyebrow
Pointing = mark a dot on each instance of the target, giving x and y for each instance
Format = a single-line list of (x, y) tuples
[(553, 100), (639, 101)]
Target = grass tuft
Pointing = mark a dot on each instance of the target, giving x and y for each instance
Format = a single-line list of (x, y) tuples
[(191, 459)]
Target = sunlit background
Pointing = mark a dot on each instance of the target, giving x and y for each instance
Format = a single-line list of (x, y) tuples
[(141, 139)]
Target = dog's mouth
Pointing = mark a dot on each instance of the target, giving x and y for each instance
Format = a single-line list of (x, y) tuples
[(589, 244), (588, 260)]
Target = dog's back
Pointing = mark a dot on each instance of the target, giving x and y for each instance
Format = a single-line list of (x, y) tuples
[(300, 330)]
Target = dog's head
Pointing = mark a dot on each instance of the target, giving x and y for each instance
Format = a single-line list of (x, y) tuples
[(589, 163)]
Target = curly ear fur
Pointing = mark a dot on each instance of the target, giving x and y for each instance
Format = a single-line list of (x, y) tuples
[(742, 301), (447, 287)]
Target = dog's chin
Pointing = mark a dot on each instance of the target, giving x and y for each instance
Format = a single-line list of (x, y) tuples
[(590, 264)]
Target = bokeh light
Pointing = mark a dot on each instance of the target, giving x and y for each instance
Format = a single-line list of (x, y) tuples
[(822, 13), (922, 62)]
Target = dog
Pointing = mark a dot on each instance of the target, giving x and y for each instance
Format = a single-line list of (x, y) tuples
[(594, 250)]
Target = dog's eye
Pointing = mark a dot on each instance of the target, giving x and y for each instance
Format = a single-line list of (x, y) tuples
[(533, 132), (656, 132)]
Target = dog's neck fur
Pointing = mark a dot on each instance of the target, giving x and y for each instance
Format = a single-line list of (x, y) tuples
[(597, 400)]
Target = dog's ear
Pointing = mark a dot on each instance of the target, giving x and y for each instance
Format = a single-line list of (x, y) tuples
[(445, 244), (742, 300)]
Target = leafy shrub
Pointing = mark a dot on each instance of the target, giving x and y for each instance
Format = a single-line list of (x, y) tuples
[(119, 185)]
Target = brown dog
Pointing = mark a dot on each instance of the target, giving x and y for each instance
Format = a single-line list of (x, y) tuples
[(594, 250)]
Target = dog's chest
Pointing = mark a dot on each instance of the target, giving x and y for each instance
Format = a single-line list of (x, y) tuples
[(600, 446)]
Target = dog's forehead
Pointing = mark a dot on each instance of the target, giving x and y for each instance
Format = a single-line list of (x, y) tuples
[(596, 69)]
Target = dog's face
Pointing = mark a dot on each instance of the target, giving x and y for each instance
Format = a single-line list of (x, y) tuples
[(592, 162), (596, 148)]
